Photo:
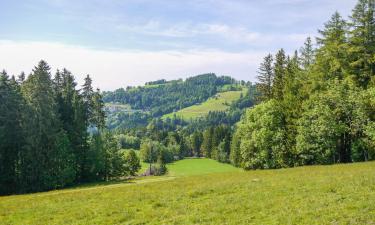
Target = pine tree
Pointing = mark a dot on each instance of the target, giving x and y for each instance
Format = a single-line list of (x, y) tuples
[(265, 78)]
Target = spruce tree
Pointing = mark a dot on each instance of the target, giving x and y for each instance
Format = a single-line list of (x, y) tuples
[(362, 42), (307, 53), (207, 142), (279, 71), (41, 168), (11, 134), (265, 78), (332, 61)]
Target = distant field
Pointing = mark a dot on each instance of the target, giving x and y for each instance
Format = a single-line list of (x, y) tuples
[(219, 103), (189, 167), (339, 194)]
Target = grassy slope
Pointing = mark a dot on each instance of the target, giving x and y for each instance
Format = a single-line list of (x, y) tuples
[(189, 167), (221, 103), (340, 194)]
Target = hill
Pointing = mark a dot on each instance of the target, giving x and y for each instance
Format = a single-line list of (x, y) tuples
[(219, 102), (160, 98), (137, 106), (338, 194)]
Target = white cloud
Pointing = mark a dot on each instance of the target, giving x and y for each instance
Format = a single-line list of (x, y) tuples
[(114, 69)]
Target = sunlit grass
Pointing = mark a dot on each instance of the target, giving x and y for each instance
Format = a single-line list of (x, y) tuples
[(339, 194)]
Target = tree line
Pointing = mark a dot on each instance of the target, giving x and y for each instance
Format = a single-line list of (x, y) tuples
[(318, 105), (52, 134)]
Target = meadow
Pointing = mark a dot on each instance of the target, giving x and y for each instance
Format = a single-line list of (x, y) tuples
[(337, 194), (220, 102)]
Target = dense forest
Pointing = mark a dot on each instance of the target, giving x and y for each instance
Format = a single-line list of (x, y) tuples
[(45, 141)]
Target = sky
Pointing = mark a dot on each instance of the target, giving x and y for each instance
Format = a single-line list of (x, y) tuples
[(129, 42)]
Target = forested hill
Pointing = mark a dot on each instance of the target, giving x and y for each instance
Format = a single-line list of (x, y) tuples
[(162, 97)]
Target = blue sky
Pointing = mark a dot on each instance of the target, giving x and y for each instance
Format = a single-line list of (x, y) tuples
[(128, 42)]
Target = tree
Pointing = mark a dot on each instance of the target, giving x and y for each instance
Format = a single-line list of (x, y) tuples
[(279, 71), (235, 154), (332, 55), (196, 142), (160, 168), (149, 152), (266, 78), (326, 129), (132, 162), (261, 137), (114, 163), (362, 42), (87, 93), (307, 53), (207, 142), (12, 141), (98, 114), (40, 168)]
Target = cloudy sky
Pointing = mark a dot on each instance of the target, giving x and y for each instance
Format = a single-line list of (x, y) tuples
[(129, 42)]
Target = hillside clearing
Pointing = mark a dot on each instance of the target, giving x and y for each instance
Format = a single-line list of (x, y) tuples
[(339, 194), (220, 102)]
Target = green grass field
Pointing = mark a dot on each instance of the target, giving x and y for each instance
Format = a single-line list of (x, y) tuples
[(219, 103), (189, 167), (339, 194)]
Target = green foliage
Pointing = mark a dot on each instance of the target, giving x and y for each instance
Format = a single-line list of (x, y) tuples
[(362, 42), (279, 74), (132, 161), (127, 141), (322, 110), (196, 142), (44, 139), (261, 137), (307, 52), (160, 167), (266, 77), (12, 140)]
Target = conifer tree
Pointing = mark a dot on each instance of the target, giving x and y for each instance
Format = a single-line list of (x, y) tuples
[(332, 55), (307, 54), (11, 133), (362, 42), (265, 78), (279, 71), (207, 142), (41, 168)]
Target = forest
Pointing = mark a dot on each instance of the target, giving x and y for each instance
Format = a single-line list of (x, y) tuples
[(52, 134)]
